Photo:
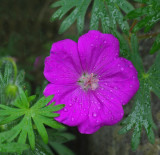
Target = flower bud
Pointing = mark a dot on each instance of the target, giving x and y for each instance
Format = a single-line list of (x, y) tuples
[(11, 90)]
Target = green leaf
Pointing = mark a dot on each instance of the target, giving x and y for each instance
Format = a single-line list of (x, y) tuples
[(6, 135), (61, 149), (138, 12), (52, 109), (156, 45), (31, 135), (100, 12), (135, 57), (81, 17), (136, 137), (142, 1), (149, 15), (41, 129), (117, 16), (78, 13), (42, 102), (13, 147), (141, 116), (23, 98), (60, 136), (154, 76), (125, 6), (39, 112), (124, 47)]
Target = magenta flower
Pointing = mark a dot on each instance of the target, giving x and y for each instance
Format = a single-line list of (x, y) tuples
[(91, 80)]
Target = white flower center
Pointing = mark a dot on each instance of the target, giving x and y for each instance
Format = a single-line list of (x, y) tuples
[(88, 81)]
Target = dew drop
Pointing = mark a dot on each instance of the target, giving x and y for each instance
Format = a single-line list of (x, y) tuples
[(70, 104), (131, 86), (97, 121), (133, 77), (99, 108), (72, 119), (122, 69), (92, 45), (94, 114), (105, 41), (65, 109)]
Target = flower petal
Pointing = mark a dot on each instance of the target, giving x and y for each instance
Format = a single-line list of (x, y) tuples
[(118, 79), (95, 47), (75, 100), (63, 66), (102, 111)]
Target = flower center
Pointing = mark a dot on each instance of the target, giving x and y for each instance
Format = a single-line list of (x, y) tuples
[(88, 81)]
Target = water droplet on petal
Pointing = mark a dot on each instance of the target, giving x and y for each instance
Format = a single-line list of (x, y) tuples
[(97, 121), (102, 88), (70, 104), (131, 86), (122, 69), (94, 114), (65, 109), (72, 119)]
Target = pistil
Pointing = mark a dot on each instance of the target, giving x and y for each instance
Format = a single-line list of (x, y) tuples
[(88, 81)]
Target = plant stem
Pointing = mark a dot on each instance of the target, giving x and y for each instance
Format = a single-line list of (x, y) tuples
[(133, 25), (148, 35)]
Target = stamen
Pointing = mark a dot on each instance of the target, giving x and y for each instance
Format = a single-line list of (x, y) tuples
[(88, 81)]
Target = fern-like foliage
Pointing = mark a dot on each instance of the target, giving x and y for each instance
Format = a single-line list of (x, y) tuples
[(147, 16), (108, 12), (141, 115), (25, 114)]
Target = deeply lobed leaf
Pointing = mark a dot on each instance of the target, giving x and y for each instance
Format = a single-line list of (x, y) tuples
[(108, 13), (141, 116), (39, 113)]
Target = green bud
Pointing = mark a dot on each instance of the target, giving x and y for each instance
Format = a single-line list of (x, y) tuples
[(3, 127), (11, 90)]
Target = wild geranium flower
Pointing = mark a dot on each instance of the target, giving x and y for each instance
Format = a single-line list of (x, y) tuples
[(91, 80)]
